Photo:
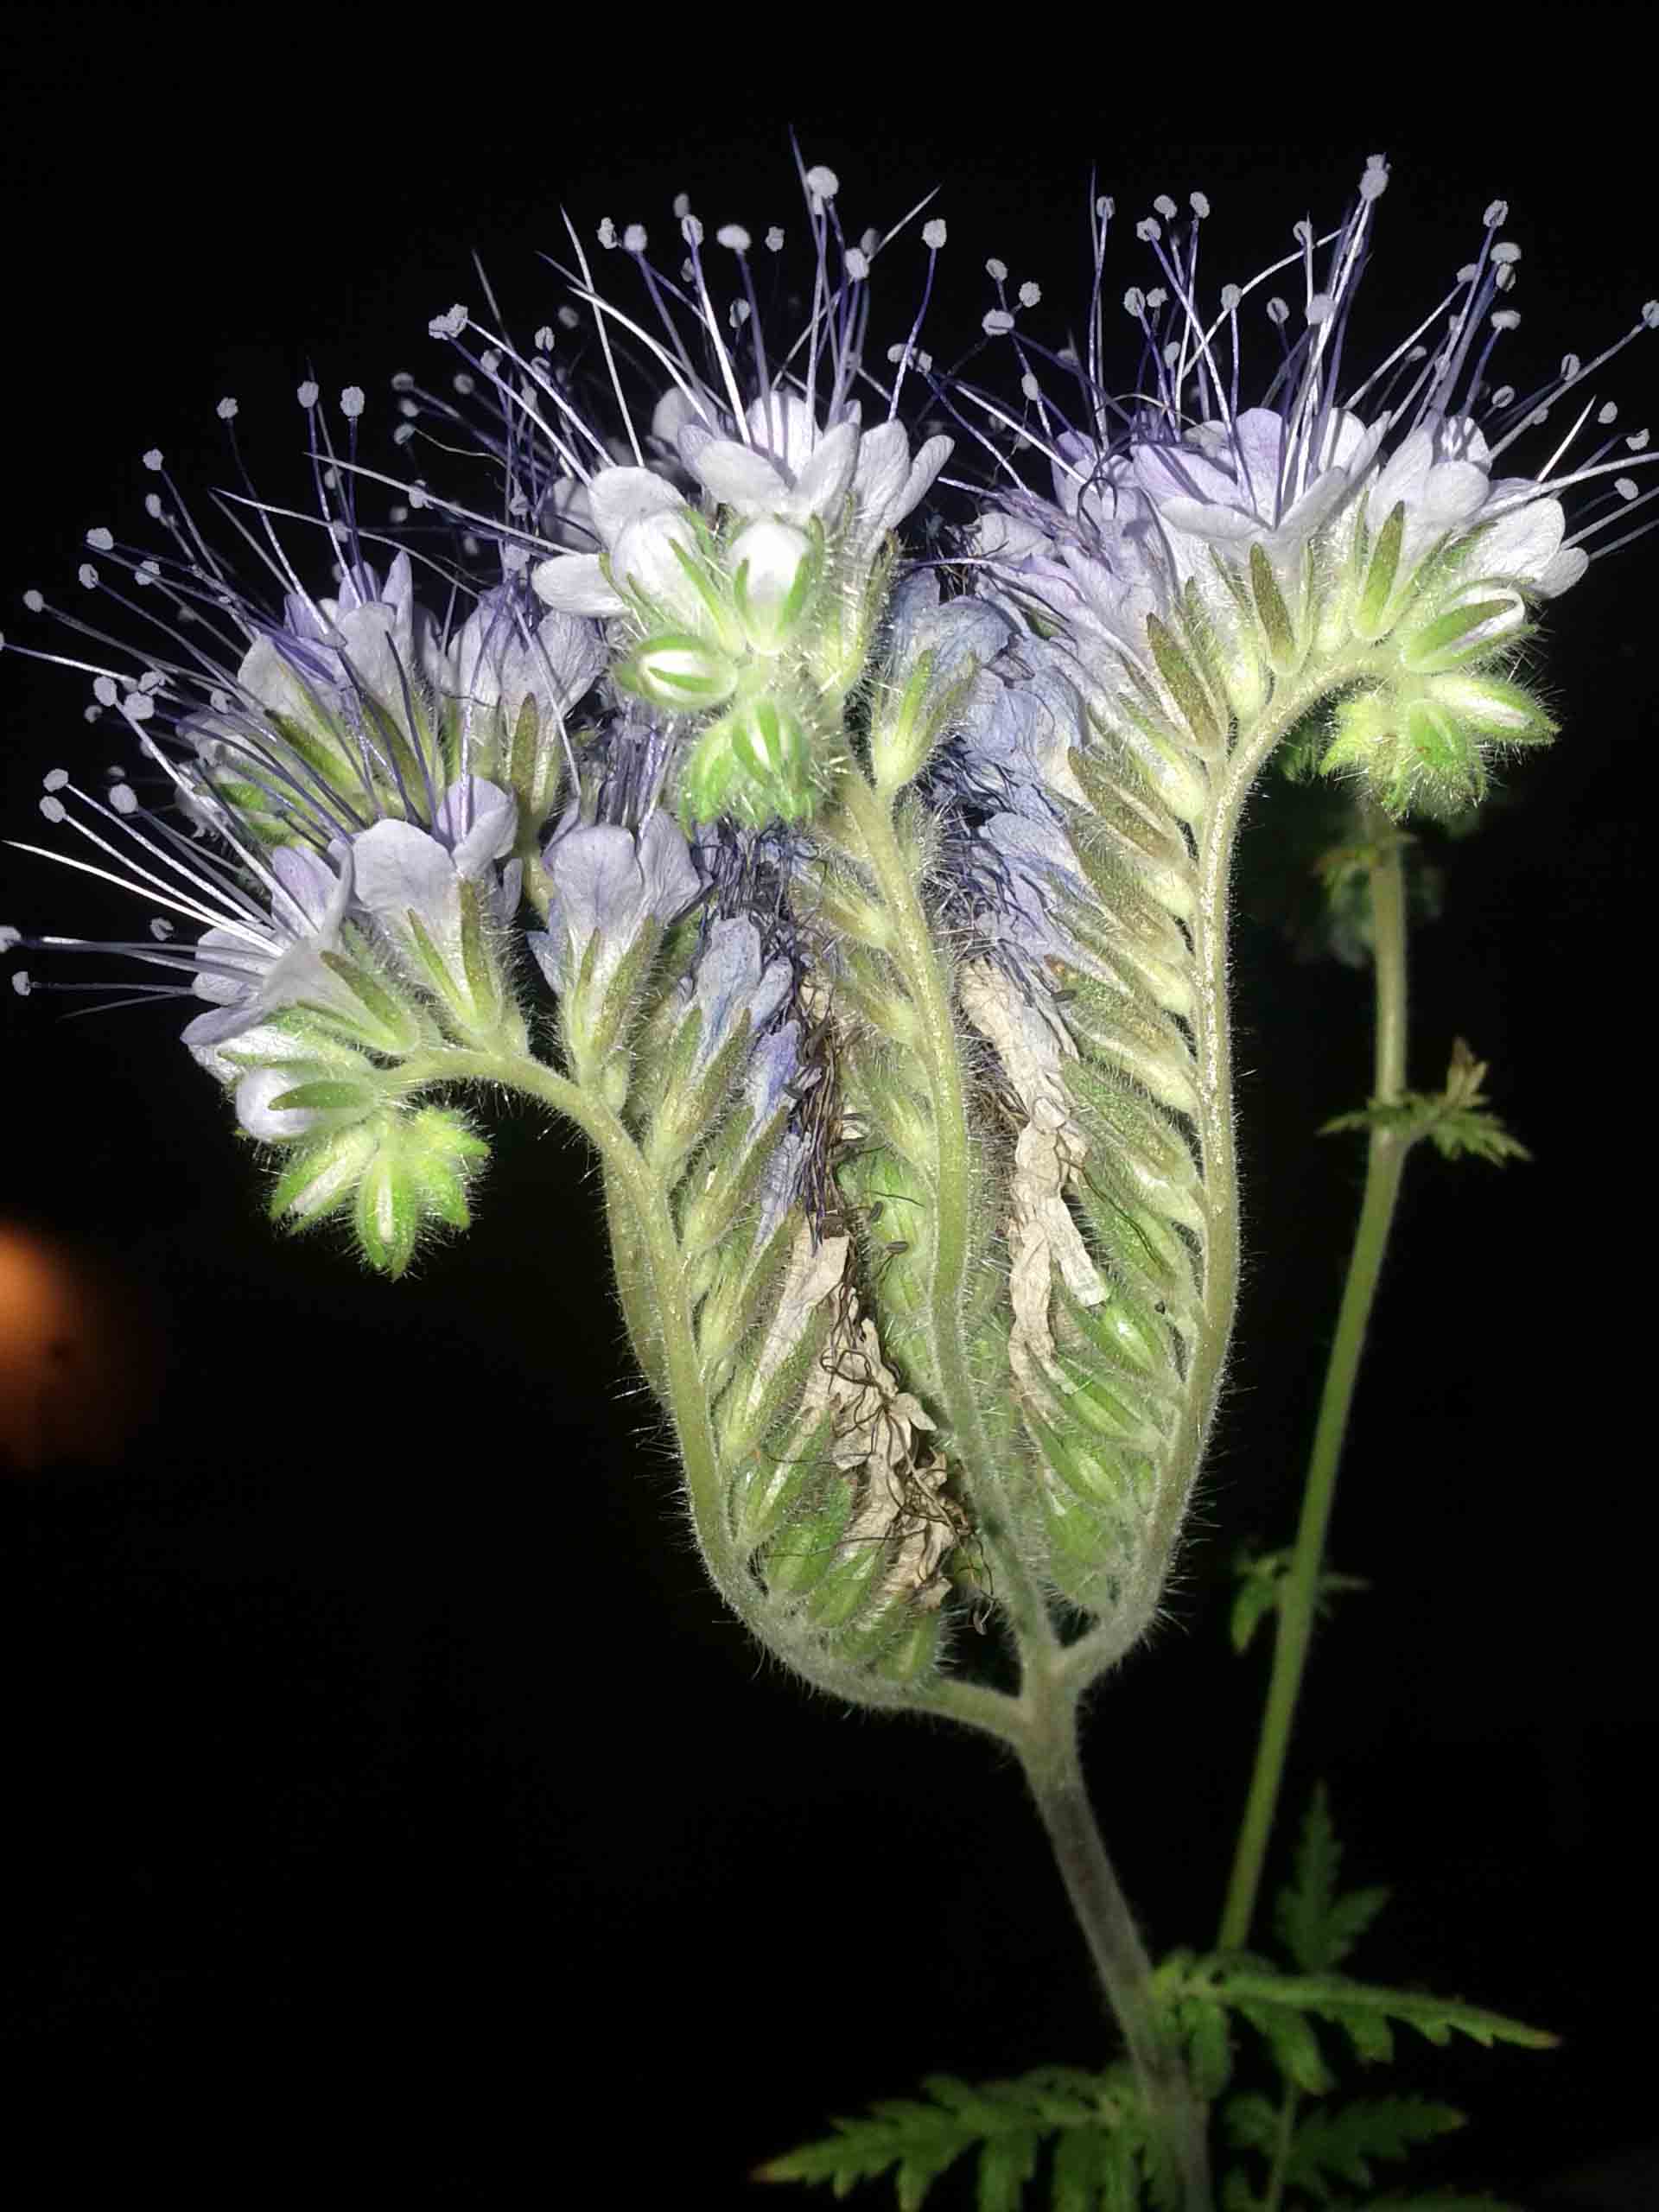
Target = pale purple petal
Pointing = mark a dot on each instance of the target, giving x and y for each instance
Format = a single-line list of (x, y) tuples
[(619, 496), (670, 879), (574, 583), (478, 822), (400, 869), (821, 484), (739, 477)]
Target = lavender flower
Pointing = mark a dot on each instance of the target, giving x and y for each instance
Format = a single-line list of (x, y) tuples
[(731, 981), (1216, 549), (609, 884)]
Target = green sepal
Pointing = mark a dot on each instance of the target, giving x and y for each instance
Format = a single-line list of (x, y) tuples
[(1187, 687), (755, 764), (770, 1489), (845, 1589), (1075, 1393), (476, 964), (397, 1173), (689, 1104), (385, 1215), (911, 1653), (733, 1306), (1502, 712), (802, 1552), (418, 1173), (1128, 1030), (330, 1094), (1413, 753), (842, 907), (1132, 1339), (1112, 1482), (1085, 1559), (596, 1028), (322, 1176), (1165, 979), (407, 766), (1271, 611), (1147, 750), (387, 1025), (1134, 1146), (471, 999), (1371, 614), (727, 1173), (1467, 631), (910, 718), (1131, 819)]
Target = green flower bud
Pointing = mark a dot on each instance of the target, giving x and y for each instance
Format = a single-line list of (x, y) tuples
[(322, 1178), (1423, 745), (399, 1173), (755, 764), (683, 673)]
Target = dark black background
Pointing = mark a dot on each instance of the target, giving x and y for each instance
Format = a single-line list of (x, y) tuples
[(391, 1806)]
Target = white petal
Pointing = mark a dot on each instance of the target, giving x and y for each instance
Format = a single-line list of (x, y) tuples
[(1455, 493), (923, 470), (478, 822), (316, 895), (398, 867), (254, 1093), (1403, 478), (739, 477), (1563, 572), (879, 481), (1523, 543), (821, 486), (1321, 499), (1219, 525), (574, 583), (783, 425), (619, 496)]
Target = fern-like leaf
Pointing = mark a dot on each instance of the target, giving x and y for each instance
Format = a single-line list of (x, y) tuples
[(1261, 1578), (1339, 2142), (1364, 2010), (1102, 2162), (1456, 1120), (1440, 2199), (1316, 1927)]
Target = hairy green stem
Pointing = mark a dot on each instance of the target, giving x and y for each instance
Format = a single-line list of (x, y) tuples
[(1048, 1751), (1385, 1160), (1284, 2135)]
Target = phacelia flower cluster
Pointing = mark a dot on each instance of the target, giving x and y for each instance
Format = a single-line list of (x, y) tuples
[(843, 844)]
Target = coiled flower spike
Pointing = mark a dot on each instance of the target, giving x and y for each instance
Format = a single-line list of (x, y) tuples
[(870, 915), (883, 928)]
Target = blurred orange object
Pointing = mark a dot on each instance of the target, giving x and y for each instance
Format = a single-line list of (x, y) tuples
[(80, 1354)]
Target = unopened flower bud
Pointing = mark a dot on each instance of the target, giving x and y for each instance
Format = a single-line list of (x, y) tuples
[(772, 565), (680, 672), (755, 764), (658, 559)]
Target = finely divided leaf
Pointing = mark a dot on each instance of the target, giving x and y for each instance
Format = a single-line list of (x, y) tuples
[(1316, 1927), (1337, 2143), (1099, 2162)]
